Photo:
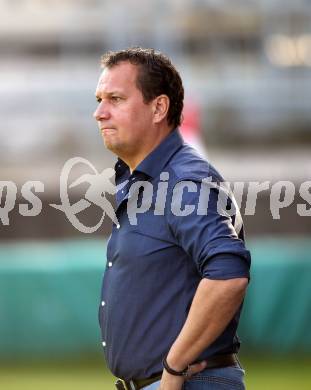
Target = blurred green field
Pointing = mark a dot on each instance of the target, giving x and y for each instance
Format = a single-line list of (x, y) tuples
[(263, 374)]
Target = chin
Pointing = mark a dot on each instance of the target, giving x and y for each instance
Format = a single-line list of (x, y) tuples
[(108, 145), (111, 146)]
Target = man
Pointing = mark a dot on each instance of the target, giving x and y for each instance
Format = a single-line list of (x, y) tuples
[(177, 268)]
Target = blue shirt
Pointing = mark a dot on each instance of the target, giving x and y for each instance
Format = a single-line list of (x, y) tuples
[(156, 258)]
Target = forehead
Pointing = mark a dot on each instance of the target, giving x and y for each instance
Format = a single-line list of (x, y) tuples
[(121, 77)]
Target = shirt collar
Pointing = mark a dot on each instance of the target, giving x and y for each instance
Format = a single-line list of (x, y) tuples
[(120, 168), (153, 164)]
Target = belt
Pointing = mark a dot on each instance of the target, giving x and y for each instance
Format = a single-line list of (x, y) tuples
[(137, 384), (216, 361)]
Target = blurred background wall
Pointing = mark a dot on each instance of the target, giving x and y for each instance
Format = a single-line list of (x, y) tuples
[(246, 67)]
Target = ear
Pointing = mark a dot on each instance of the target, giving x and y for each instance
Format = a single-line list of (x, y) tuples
[(160, 108)]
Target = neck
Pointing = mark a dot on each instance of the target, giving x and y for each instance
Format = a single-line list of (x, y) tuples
[(134, 160)]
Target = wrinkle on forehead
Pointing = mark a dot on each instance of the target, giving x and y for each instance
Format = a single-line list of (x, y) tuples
[(118, 78)]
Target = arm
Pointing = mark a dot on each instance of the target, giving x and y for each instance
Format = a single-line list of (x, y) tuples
[(213, 306), (223, 262)]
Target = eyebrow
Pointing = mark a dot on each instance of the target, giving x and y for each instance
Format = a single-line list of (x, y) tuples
[(110, 94)]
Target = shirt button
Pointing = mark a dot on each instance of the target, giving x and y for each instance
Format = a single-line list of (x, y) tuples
[(110, 264), (118, 226), (103, 303), (104, 343)]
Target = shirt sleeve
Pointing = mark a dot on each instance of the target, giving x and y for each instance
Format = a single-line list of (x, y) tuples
[(210, 240)]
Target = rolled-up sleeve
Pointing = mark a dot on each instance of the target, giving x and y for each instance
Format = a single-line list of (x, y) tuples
[(211, 240)]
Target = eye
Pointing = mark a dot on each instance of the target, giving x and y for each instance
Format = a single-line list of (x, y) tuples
[(115, 98), (98, 99)]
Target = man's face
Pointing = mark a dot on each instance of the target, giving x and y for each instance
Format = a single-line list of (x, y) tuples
[(124, 119)]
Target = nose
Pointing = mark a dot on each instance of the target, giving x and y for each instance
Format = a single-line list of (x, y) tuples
[(101, 112)]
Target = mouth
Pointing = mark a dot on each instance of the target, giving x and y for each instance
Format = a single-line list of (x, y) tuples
[(107, 131)]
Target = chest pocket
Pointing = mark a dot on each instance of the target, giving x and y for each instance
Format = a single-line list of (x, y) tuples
[(154, 226), (148, 240), (141, 215)]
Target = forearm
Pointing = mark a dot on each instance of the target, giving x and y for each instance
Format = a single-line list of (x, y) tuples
[(213, 306)]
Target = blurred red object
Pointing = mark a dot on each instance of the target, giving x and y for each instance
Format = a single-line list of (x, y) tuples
[(191, 125)]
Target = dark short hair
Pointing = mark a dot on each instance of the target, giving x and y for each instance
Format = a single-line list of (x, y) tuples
[(156, 76)]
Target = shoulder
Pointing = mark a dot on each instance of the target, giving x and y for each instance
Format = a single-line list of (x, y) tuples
[(188, 164)]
